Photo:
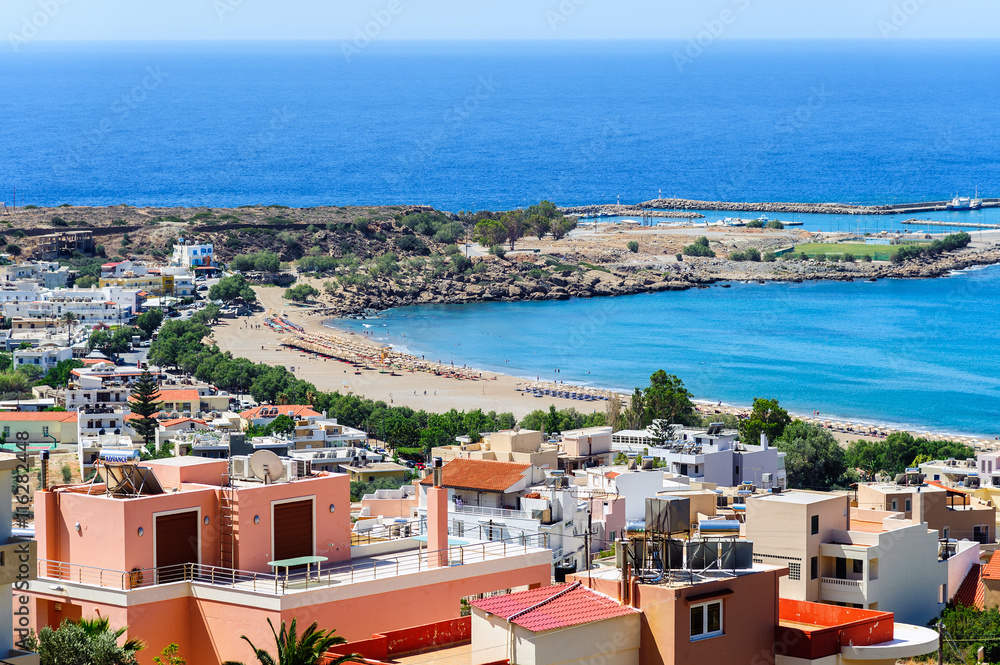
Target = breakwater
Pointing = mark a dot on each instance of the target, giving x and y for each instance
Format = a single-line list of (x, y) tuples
[(815, 208), (926, 222), (615, 210)]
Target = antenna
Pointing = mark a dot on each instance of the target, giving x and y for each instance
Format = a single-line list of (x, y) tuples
[(266, 466)]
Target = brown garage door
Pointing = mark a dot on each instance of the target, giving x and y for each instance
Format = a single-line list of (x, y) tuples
[(177, 539), (293, 529)]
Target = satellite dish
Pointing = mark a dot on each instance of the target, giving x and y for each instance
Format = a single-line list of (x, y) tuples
[(266, 465)]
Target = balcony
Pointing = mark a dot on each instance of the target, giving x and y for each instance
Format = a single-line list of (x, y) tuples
[(859, 592), (472, 560), (491, 512)]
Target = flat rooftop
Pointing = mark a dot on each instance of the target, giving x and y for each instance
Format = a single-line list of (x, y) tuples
[(798, 497)]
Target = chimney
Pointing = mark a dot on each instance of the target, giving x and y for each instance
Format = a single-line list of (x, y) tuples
[(437, 519), (763, 440)]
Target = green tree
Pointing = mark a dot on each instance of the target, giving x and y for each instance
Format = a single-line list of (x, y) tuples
[(539, 226), (666, 398), (283, 424), (309, 649), (59, 375), (148, 322), (490, 232), (87, 642), (813, 458), (301, 292), (766, 417), (144, 396), (232, 288), (633, 246), (169, 656), (515, 225), (14, 385)]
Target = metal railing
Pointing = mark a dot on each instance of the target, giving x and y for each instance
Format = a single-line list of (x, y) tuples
[(298, 580), (492, 512)]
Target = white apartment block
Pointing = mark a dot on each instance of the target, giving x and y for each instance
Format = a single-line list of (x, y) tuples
[(193, 256), (711, 455), (895, 566), (45, 356)]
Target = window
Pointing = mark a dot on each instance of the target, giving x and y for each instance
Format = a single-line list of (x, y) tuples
[(6, 430), (794, 571), (858, 566), (706, 620), (814, 567), (908, 505), (945, 532), (45, 430), (815, 525)]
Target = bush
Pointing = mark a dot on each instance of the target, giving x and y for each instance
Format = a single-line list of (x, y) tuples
[(263, 261), (848, 257), (679, 257), (58, 221), (361, 224), (633, 246), (820, 257), (536, 273), (13, 250), (498, 251), (412, 244), (770, 257), (752, 254), (775, 224), (803, 256), (737, 256), (867, 258), (755, 224), (460, 263), (451, 249), (699, 248), (301, 292)]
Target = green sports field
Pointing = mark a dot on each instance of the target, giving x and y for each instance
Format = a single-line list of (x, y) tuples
[(877, 252)]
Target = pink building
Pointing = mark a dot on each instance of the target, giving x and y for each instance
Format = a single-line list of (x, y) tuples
[(178, 554)]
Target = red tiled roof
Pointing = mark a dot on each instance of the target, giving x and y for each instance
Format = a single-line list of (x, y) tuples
[(25, 416), (992, 570), (972, 592), (559, 606), (177, 395), (482, 475), (112, 264), (298, 411), (611, 475), (93, 361)]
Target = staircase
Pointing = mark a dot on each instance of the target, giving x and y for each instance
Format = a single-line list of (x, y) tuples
[(228, 523)]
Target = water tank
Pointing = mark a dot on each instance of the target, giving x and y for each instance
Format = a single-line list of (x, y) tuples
[(718, 528), (668, 514), (647, 462), (127, 456)]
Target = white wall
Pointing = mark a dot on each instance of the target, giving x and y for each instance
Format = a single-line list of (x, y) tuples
[(910, 574), (960, 563), (636, 487)]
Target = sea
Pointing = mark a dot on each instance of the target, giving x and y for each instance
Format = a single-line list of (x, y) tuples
[(915, 354), (496, 125)]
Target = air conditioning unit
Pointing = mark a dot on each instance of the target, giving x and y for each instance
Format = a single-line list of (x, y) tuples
[(303, 467), (291, 468), (239, 466), (766, 477)]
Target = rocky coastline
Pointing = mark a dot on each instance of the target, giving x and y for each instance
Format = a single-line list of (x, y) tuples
[(499, 284)]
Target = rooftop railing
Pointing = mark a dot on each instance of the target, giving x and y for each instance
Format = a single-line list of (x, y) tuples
[(364, 570)]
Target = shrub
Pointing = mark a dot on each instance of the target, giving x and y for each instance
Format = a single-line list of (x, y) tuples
[(770, 257), (820, 257), (633, 246), (460, 263), (412, 244), (498, 251), (119, 222), (13, 250), (452, 249), (775, 224), (679, 257), (699, 248), (752, 254), (848, 257), (867, 258), (361, 224), (58, 221), (755, 224), (737, 256)]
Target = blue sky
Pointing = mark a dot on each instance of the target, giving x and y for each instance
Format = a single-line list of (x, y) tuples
[(499, 19)]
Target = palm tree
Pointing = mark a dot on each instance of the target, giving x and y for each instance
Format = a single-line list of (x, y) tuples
[(310, 649), (93, 628), (69, 318)]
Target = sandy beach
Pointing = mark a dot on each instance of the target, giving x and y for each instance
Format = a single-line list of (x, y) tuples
[(252, 338)]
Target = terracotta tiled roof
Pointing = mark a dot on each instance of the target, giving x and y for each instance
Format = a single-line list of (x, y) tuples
[(992, 570), (25, 416), (298, 411), (559, 606), (179, 395), (482, 475), (611, 475), (971, 593)]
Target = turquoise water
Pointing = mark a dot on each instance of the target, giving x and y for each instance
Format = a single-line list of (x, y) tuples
[(920, 353)]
